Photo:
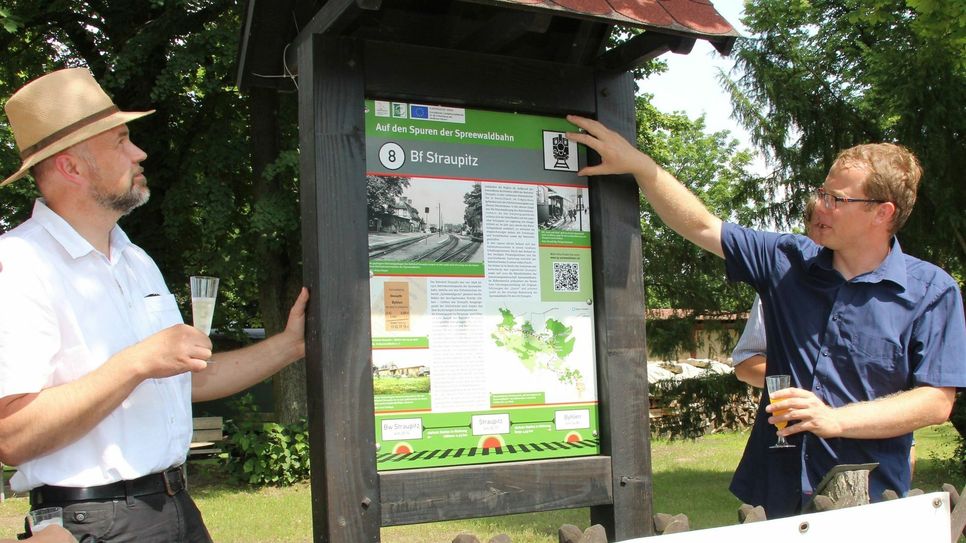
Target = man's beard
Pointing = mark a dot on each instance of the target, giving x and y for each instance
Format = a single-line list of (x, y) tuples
[(122, 203)]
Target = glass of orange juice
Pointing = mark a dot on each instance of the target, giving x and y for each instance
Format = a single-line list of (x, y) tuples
[(774, 384)]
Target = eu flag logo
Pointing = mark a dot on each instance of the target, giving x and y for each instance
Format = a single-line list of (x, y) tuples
[(418, 112)]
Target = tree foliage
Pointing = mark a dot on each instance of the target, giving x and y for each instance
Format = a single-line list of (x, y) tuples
[(473, 212), (382, 193), (822, 75), (678, 274)]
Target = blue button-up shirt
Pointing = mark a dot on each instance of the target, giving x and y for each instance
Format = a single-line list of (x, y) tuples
[(885, 331)]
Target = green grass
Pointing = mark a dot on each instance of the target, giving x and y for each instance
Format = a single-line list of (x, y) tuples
[(690, 477), (400, 385)]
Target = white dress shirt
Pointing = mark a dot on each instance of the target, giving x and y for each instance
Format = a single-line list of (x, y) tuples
[(65, 308), (752, 340)]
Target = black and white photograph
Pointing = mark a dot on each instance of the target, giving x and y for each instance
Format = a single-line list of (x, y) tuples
[(563, 208), (420, 219)]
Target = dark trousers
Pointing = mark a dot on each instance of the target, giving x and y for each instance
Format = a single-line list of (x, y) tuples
[(155, 518)]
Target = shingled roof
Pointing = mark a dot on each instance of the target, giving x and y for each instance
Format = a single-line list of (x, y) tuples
[(692, 17), (562, 31)]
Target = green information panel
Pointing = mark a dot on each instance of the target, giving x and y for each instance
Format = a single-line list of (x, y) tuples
[(482, 301)]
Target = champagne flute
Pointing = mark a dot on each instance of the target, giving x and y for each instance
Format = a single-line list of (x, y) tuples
[(204, 290), (48, 516), (774, 384)]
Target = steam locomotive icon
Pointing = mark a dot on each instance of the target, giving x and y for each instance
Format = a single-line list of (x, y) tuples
[(561, 151)]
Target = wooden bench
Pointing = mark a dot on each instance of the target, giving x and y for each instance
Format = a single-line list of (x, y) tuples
[(207, 433)]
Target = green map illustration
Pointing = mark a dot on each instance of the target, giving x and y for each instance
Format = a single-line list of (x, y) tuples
[(546, 350)]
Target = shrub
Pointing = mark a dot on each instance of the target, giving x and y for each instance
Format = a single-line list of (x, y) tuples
[(265, 453), (958, 419)]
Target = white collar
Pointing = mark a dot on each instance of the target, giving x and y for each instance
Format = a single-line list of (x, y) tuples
[(72, 242)]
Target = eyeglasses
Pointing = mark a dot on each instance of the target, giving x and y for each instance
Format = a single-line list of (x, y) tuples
[(832, 201)]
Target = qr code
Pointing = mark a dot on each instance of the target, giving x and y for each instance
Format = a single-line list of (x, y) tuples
[(566, 277)]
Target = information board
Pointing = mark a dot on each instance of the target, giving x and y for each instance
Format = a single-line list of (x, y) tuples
[(480, 285)]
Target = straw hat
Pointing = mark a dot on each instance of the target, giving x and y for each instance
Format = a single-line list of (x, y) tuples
[(58, 110)]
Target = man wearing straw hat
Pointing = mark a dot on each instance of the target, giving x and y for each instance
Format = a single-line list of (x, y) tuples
[(97, 370)]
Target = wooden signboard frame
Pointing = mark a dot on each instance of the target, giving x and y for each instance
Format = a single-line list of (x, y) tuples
[(351, 499)]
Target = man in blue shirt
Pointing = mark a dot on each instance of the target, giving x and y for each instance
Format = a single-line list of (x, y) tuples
[(873, 339)]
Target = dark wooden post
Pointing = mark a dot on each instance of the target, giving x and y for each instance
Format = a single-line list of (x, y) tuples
[(345, 490), (621, 351)]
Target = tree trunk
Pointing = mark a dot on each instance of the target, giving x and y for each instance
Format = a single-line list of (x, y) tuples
[(288, 388), (849, 488), (279, 262)]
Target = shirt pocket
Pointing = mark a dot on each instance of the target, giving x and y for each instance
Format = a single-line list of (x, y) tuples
[(878, 361), (162, 312)]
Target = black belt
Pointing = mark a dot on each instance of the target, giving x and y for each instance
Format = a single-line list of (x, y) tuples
[(170, 482)]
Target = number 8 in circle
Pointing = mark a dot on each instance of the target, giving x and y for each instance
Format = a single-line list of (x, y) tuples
[(392, 156)]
